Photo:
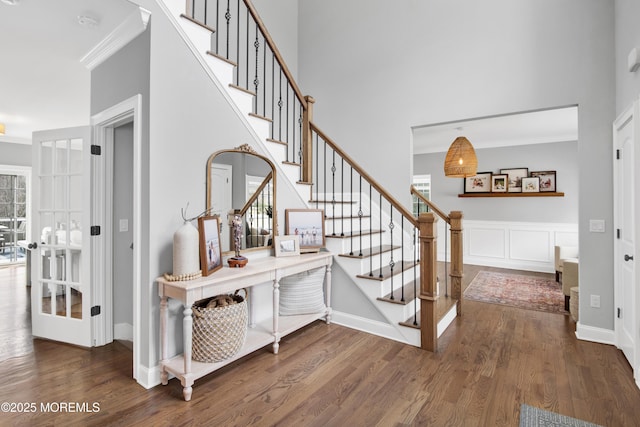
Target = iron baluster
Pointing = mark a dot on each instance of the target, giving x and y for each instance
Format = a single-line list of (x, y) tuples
[(401, 254), (392, 262), (351, 211), (256, 81), (370, 236), (380, 245), (228, 16), (342, 198), (280, 114), (360, 213), (317, 181), (333, 193), (273, 92), (415, 278)]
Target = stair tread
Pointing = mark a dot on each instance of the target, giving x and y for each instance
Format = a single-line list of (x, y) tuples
[(366, 253), (409, 295), (385, 272), (197, 22), (222, 58), (328, 202), (276, 141), (443, 305), (240, 88), (350, 234), (258, 116), (330, 218)]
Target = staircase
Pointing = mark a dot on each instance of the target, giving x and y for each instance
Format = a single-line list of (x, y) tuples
[(389, 254)]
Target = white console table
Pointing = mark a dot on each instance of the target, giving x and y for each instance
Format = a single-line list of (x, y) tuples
[(225, 281)]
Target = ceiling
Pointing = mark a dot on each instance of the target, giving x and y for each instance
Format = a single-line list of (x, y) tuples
[(534, 127), (43, 84)]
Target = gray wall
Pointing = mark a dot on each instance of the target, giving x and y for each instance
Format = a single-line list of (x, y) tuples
[(15, 154), (627, 37), (281, 19), (561, 157), (120, 77), (376, 70), (123, 209)]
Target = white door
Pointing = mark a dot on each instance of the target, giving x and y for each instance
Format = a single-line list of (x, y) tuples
[(626, 293), (222, 200), (60, 258)]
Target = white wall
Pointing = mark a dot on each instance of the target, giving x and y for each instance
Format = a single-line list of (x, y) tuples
[(15, 154), (377, 68), (281, 19), (561, 157)]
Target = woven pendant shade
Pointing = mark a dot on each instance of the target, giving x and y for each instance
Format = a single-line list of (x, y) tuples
[(461, 159)]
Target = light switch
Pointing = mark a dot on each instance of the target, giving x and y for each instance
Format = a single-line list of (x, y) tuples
[(596, 225), (124, 225)]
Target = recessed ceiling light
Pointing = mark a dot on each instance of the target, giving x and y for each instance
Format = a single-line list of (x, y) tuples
[(10, 2), (86, 21)]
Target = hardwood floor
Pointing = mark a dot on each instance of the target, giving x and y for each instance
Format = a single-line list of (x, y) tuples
[(490, 361)]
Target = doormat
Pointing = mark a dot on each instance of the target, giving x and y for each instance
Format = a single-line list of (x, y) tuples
[(517, 290), (535, 417)]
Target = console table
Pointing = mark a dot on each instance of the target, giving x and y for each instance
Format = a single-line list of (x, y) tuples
[(225, 281)]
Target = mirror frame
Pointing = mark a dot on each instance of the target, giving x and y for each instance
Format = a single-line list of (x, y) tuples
[(246, 149)]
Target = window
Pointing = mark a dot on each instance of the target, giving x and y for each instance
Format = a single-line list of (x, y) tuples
[(423, 184)]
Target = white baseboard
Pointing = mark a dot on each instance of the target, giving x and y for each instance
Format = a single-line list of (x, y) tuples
[(599, 335), (447, 320), (123, 331), (369, 326), (148, 377)]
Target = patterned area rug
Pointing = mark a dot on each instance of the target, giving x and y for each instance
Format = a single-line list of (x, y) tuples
[(516, 290), (534, 417)]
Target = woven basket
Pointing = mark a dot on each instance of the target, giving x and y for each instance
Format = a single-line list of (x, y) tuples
[(220, 332)]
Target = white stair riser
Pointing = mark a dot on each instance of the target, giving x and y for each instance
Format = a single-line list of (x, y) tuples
[(199, 36), (242, 99), (222, 70), (344, 245), (262, 127), (364, 264), (345, 224), (278, 151)]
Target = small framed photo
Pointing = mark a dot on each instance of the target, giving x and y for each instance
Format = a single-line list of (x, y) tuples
[(531, 185), (479, 183), (499, 183), (308, 226), (547, 180), (210, 250), (287, 246), (515, 178)]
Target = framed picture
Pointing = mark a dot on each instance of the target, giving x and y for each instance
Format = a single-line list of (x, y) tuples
[(210, 250), (531, 185), (287, 245), (308, 226), (479, 183), (515, 178), (547, 180), (499, 183)]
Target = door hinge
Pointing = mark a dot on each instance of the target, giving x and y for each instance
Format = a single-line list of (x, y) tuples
[(618, 233), (96, 150), (618, 154), (95, 230), (95, 310), (619, 313)]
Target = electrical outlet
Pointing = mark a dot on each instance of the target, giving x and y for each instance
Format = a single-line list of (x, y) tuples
[(596, 225), (595, 301), (124, 225)]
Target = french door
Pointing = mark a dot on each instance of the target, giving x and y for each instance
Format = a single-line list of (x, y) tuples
[(60, 256)]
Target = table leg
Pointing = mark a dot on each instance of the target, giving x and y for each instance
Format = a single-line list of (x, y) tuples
[(276, 314), (164, 318), (327, 282), (187, 323)]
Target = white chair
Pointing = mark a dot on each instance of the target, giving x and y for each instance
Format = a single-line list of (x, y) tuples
[(562, 253)]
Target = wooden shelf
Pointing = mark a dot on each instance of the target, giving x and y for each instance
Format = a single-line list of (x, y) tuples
[(540, 194)]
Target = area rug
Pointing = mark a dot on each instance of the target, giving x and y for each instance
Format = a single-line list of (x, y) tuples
[(517, 290), (535, 417)]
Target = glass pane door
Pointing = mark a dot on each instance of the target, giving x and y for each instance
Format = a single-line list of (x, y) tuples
[(13, 217), (60, 293)]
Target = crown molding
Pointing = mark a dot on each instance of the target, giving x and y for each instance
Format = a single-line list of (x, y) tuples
[(129, 29)]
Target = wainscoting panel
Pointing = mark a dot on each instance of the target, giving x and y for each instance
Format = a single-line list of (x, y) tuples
[(516, 245)]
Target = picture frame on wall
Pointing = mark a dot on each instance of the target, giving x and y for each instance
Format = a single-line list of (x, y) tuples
[(478, 183), (515, 178), (531, 184), (308, 226), (547, 180), (210, 247), (287, 246), (499, 183)]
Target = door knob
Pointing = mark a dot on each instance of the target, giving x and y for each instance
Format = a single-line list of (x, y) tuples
[(628, 258), (33, 245)]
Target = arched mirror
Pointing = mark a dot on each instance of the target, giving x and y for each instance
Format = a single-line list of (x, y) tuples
[(242, 181)]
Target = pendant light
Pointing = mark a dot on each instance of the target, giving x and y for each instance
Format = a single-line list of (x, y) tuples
[(1, 128), (461, 160)]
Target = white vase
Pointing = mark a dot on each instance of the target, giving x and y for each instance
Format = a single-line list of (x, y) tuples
[(186, 250)]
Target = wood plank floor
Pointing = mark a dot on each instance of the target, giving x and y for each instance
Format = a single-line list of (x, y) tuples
[(490, 361)]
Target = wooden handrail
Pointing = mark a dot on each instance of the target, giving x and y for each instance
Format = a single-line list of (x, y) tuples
[(267, 37), (255, 195), (419, 195), (396, 204)]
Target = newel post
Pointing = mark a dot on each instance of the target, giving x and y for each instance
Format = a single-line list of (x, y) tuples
[(456, 258), (307, 141), (428, 281)]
